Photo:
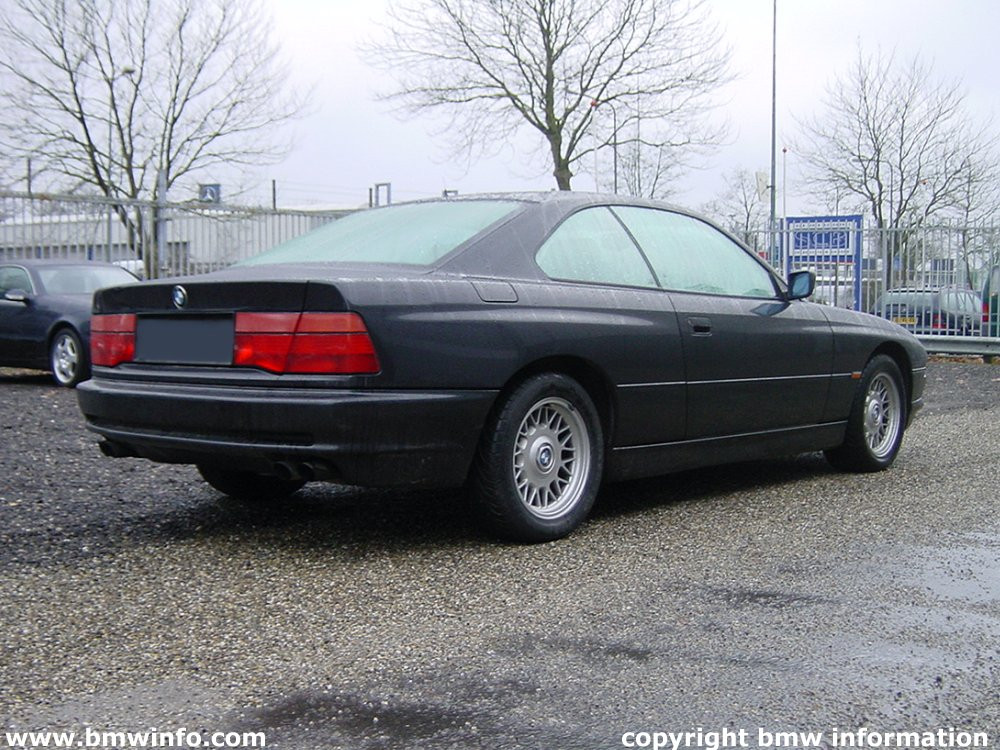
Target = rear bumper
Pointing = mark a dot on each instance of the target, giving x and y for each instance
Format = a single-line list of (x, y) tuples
[(364, 437)]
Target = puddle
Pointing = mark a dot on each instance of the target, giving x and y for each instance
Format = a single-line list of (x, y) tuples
[(968, 573)]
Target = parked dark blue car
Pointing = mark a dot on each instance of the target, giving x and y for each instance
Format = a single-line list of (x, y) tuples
[(45, 314)]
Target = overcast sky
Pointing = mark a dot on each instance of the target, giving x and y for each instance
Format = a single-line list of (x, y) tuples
[(349, 140)]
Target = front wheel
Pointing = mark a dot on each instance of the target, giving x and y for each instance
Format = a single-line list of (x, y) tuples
[(540, 461), (248, 485), (876, 422), (67, 358)]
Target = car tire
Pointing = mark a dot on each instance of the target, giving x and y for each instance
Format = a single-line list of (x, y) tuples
[(247, 485), (67, 358), (540, 461), (876, 422)]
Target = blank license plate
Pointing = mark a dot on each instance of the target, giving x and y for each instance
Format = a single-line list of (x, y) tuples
[(185, 340)]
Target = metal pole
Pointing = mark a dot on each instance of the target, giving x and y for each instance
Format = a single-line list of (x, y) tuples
[(111, 102), (614, 135), (774, 112), (784, 182), (597, 182), (614, 142), (160, 225), (126, 71), (638, 147)]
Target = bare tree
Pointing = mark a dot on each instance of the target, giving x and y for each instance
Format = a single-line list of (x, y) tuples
[(898, 139), (976, 210), (741, 209), (650, 171), (494, 66), (129, 97)]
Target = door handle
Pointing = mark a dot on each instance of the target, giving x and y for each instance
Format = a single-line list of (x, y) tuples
[(700, 326)]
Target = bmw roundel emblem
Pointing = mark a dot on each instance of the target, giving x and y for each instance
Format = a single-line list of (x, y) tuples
[(179, 296)]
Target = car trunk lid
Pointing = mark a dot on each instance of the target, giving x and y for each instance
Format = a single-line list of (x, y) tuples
[(300, 327)]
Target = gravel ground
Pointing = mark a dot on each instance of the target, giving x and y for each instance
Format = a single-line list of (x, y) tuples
[(777, 595)]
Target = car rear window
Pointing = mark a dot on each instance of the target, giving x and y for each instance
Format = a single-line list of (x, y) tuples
[(961, 302), (416, 234), (913, 299), (82, 279)]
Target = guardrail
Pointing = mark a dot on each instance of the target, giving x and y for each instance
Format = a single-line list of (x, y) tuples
[(984, 346)]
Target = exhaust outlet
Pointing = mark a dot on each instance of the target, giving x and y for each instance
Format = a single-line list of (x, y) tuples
[(287, 471), (307, 471), (116, 450)]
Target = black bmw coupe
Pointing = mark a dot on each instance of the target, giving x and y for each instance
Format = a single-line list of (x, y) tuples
[(527, 346)]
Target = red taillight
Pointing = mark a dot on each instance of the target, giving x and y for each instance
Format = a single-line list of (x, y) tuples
[(328, 343), (112, 339), (936, 321), (986, 312)]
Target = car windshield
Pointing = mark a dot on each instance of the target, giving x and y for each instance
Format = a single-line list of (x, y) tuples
[(82, 279), (417, 234)]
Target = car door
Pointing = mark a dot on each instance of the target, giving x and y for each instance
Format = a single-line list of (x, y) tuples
[(613, 309), (15, 341), (753, 360)]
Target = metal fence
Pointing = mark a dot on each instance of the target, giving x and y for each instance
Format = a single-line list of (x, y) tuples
[(941, 282), (156, 239)]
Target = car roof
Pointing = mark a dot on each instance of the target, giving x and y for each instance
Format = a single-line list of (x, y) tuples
[(54, 263), (567, 198)]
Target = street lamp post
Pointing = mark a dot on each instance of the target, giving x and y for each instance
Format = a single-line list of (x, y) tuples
[(784, 182), (774, 121), (126, 71), (614, 135)]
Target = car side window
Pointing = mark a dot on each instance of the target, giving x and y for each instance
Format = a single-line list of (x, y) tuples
[(592, 246), (690, 255), (12, 277)]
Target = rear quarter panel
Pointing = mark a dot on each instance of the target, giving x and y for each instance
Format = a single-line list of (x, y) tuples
[(438, 333)]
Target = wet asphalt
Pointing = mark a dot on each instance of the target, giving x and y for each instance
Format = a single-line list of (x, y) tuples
[(773, 596)]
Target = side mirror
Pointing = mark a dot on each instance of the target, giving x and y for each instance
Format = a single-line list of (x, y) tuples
[(16, 295), (801, 284)]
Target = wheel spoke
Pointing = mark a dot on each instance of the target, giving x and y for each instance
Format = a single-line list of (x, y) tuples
[(883, 415), (552, 440), (65, 358)]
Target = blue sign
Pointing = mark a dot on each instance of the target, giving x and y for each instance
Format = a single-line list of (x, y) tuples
[(809, 240), (818, 239), (824, 239), (210, 193)]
